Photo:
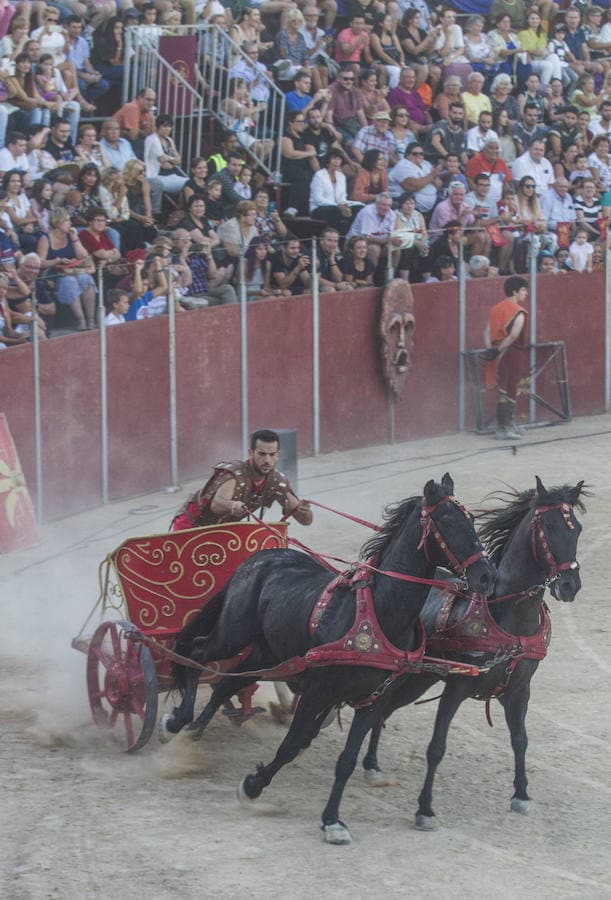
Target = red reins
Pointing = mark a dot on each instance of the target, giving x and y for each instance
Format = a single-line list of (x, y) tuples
[(428, 528)]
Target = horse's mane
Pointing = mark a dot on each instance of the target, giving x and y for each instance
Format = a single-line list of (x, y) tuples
[(395, 515), (498, 525)]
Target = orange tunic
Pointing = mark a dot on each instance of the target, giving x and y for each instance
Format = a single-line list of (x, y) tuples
[(505, 371)]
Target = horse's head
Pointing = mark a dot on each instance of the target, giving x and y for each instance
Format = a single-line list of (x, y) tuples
[(449, 538), (556, 531)]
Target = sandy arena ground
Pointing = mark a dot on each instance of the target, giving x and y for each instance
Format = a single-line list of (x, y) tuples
[(78, 819)]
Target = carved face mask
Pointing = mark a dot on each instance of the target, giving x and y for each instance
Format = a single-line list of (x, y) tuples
[(397, 325)]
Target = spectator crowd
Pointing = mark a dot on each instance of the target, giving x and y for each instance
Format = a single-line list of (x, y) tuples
[(414, 136)]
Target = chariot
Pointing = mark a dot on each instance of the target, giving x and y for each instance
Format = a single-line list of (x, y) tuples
[(150, 587)]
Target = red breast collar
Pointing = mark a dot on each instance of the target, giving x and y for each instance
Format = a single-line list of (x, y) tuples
[(365, 644), (477, 632)]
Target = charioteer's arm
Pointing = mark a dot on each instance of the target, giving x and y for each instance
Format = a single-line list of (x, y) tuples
[(223, 504), (299, 509)]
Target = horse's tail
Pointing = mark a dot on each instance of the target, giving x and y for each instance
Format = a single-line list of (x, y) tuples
[(199, 626)]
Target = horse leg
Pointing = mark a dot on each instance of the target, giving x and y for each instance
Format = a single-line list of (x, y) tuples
[(456, 690), (171, 723), (305, 725), (403, 695), (335, 830), (515, 704), (373, 772), (221, 692)]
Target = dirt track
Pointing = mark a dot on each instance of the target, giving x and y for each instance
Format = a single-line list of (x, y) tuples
[(80, 820)]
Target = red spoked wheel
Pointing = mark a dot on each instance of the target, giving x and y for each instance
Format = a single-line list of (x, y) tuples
[(122, 684)]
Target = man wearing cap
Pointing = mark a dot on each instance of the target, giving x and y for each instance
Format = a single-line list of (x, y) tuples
[(489, 161), (375, 137)]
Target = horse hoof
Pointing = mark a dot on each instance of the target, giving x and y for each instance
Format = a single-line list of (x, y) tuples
[(520, 806), (425, 823), (374, 778), (163, 732), (336, 834), (243, 797), (195, 732)]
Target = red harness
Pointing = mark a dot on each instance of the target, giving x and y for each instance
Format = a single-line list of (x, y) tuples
[(365, 644), (477, 632)]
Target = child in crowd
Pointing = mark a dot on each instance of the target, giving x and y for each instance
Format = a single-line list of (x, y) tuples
[(546, 263), (581, 169), (214, 204), (242, 185), (116, 304), (581, 251)]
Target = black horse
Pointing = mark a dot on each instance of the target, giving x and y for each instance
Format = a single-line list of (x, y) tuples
[(532, 538), (270, 598)]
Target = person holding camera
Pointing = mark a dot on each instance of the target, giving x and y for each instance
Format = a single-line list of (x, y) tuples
[(205, 284), (290, 269)]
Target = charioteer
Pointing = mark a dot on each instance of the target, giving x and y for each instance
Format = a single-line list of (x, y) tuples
[(238, 488)]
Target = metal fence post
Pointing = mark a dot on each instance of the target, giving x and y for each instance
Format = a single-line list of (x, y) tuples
[(315, 351), (244, 353), (389, 266), (37, 418), (534, 250), (462, 330), (608, 327), (174, 486), (103, 385)]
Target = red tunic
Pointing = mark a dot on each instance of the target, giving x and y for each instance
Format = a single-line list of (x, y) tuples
[(505, 372)]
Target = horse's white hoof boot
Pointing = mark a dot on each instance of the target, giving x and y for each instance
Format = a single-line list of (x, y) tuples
[(520, 806), (242, 795), (425, 823), (374, 778), (163, 732), (337, 834)]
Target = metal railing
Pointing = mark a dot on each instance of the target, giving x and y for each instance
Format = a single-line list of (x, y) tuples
[(173, 350), (218, 62)]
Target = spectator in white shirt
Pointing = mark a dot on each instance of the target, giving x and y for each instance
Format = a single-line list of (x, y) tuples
[(116, 304), (375, 222), (479, 134), (417, 176), (534, 163)]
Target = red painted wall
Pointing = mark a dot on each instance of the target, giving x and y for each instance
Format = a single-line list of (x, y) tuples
[(353, 395)]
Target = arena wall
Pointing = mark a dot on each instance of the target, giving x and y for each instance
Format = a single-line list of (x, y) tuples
[(353, 395)]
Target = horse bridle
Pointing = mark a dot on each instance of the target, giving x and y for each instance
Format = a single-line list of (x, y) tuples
[(430, 528), (538, 534)]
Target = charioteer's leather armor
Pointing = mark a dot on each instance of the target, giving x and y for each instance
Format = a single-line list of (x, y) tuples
[(251, 489)]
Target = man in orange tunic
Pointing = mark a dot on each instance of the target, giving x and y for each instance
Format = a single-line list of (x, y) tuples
[(505, 337)]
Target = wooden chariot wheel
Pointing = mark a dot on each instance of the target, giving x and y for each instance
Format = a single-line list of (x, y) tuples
[(122, 685)]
